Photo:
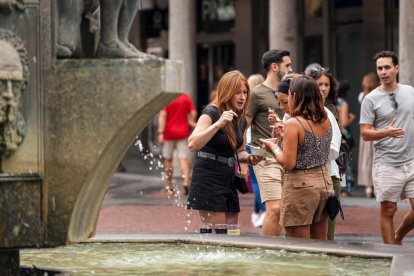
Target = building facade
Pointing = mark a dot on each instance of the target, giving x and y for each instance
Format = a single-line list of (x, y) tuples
[(215, 36)]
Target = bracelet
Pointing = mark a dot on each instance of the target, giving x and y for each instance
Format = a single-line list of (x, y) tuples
[(276, 152)]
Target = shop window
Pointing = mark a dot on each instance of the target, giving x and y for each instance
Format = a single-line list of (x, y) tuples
[(340, 4), (212, 62), (313, 50), (215, 15), (154, 20)]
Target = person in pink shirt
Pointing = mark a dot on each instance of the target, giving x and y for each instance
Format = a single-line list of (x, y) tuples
[(174, 124)]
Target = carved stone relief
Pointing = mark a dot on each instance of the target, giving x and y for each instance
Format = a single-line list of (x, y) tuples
[(14, 74)]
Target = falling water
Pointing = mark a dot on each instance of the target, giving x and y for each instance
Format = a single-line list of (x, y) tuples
[(155, 165)]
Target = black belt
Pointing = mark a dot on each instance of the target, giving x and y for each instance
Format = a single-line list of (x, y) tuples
[(226, 160)]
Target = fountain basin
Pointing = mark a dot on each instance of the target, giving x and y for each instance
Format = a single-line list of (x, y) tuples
[(227, 255)]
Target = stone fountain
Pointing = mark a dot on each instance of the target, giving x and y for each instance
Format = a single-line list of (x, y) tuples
[(66, 121)]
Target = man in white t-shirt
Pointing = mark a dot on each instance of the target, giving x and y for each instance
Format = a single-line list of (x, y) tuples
[(385, 119)]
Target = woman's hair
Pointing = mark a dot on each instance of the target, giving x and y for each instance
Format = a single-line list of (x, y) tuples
[(372, 80), (343, 89), (227, 87), (254, 80), (284, 84), (332, 97), (307, 99)]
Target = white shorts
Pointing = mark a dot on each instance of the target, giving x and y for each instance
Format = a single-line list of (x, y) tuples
[(169, 146), (393, 183)]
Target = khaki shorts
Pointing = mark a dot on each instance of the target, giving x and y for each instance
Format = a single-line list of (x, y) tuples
[(269, 176), (304, 196), (393, 183), (169, 146)]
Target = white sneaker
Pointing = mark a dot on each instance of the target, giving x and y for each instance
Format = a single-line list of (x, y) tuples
[(259, 222), (254, 218)]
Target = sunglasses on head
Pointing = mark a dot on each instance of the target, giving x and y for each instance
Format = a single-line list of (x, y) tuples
[(319, 69), (394, 103)]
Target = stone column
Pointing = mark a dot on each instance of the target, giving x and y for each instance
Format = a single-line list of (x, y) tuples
[(283, 27), (406, 42), (182, 42)]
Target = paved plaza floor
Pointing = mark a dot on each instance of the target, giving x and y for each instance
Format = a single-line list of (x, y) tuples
[(135, 204)]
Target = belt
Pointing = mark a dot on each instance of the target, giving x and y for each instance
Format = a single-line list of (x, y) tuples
[(226, 160)]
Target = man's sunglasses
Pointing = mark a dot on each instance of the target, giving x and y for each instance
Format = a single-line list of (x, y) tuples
[(319, 69), (393, 101)]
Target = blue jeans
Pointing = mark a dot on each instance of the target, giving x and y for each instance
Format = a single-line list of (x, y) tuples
[(258, 205)]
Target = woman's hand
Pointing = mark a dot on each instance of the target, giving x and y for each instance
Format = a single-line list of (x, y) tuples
[(244, 169), (278, 131), (272, 117), (254, 159), (270, 144), (227, 116)]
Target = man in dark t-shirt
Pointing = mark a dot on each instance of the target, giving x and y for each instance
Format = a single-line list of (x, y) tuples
[(268, 172)]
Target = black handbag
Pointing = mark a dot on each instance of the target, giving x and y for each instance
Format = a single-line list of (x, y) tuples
[(333, 206), (239, 181)]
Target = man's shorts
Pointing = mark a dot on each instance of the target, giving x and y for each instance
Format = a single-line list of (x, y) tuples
[(269, 175), (169, 146), (392, 183)]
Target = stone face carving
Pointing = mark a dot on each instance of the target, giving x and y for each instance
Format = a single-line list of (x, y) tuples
[(14, 73), (116, 18)]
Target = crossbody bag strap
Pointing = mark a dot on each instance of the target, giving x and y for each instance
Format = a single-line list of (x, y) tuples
[(238, 162)]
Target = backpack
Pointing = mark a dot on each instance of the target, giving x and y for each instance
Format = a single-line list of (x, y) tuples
[(344, 158)]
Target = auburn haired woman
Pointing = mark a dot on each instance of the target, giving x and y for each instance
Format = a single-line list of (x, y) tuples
[(217, 136), (306, 146)]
